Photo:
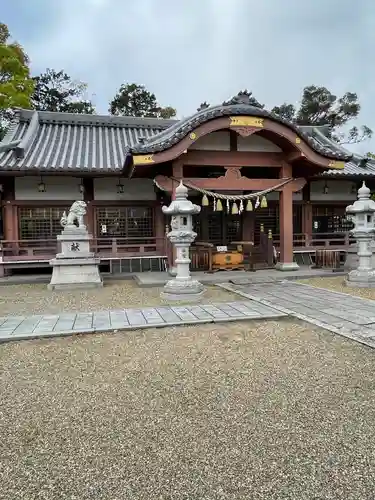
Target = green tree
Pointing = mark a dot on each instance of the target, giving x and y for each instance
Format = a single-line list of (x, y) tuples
[(136, 100), (56, 91), (16, 86), (320, 107)]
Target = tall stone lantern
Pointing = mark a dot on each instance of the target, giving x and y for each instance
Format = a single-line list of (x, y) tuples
[(362, 214), (181, 210)]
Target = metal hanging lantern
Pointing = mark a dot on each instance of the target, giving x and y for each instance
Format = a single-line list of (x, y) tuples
[(205, 202)]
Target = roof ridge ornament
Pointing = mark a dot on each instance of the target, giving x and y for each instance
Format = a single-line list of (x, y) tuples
[(203, 105), (243, 97)]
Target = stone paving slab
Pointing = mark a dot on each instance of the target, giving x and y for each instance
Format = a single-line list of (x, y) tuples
[(337, 312), (55, 325)]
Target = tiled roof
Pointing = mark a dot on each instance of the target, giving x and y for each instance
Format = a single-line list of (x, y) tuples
[(171, 136), (355, 167), (65, 141)]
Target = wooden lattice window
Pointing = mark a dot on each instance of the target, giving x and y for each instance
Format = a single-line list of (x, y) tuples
[(330, 219), (220, 228), (36, 223), (269, 219), (125, 222)]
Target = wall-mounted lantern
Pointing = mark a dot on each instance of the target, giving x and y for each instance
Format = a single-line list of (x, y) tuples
[(120, 187), (41, 186)]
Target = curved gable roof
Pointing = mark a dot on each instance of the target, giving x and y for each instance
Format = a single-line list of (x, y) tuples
[(178, 131)]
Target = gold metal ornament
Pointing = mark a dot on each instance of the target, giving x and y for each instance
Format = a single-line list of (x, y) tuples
[(246, 121)]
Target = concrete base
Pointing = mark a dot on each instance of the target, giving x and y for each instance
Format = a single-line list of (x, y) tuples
[(352, 259), (74, 286), (183, 297), (186, 290), (287, 266), (72, 274), (361, 279), (172, 271)]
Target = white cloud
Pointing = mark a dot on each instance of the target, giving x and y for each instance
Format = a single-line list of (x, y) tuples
[(189, 51)]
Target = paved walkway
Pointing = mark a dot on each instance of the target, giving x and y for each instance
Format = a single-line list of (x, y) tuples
[(339, 313), (157, 279), (21, 327)]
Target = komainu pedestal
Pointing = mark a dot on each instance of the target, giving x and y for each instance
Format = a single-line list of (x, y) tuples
[(75, 266)]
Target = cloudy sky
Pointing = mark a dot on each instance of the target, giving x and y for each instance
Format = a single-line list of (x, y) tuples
[(188, 51)]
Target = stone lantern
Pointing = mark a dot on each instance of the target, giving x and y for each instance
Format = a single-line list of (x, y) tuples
[(362, 214), (182, 287)]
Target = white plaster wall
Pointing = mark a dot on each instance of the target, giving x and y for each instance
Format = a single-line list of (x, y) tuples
[(57, 188), (337, 191), (216, 141), (134, 189), (256, 143)]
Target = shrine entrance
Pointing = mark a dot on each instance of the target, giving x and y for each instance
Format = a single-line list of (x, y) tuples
[(218, 228)]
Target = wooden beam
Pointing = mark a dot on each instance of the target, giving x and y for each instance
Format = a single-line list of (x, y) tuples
[(233, 158), (295, 156)]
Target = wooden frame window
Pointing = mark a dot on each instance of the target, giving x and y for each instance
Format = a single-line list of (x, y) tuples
[(39, 223), (125, 222)]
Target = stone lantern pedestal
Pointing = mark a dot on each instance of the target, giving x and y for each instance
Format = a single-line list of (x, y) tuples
[(182, 287), (362, 214)]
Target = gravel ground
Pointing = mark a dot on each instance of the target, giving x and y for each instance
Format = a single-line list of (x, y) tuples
[(255, 411), (36, 299), (337, 284)]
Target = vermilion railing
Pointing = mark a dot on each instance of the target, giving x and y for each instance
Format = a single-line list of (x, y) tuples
[(44, 249), (318, 240), (23, 250)]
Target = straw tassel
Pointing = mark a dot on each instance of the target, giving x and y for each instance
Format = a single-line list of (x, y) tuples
[(263, 203), (219, 206)]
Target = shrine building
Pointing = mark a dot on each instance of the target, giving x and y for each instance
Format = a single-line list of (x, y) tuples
[(254, 174)]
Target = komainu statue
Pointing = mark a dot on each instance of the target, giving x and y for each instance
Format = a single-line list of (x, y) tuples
[(76, 213)]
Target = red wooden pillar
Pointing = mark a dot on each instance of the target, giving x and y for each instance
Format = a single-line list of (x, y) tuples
[(10, 214), (286, 262), (307, 214)]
